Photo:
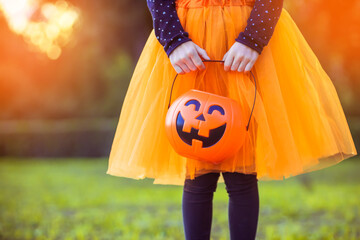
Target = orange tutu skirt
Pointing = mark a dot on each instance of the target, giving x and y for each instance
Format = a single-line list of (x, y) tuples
[(298, 123)]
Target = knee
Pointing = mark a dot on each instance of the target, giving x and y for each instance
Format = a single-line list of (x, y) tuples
[(205, 183), (236, 182)]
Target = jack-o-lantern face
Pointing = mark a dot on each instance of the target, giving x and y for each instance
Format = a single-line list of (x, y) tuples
[(205, 126)]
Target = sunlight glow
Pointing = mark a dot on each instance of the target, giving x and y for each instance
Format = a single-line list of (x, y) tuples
[(49, 34)]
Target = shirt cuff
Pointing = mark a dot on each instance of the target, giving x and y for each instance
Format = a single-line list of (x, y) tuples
[(250, 42), (175, 43)]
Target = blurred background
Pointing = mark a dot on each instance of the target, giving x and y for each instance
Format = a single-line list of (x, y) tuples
[(64, 71)]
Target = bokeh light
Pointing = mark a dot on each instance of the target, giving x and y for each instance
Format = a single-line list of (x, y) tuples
[(47, 35)]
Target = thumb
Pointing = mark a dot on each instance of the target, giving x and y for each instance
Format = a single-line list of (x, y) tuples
[(202, 52), (225, 56)]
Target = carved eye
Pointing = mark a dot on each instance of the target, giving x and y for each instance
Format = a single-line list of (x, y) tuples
[(216, 108), (194, 102)]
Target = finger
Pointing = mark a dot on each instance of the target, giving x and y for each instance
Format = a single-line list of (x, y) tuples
[(202, 52), (184, 67), (242, 65), (189, 63), (198, 62), (236, 63), (178, 69), (228, 62), (249, 66), (224, 58)]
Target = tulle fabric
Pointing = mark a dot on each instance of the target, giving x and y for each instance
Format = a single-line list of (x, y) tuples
[(298, 123)]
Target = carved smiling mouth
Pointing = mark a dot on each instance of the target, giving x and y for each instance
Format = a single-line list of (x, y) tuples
[(214, 134)]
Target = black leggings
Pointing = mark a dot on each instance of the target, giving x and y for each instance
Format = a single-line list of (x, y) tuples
[(243, 209)]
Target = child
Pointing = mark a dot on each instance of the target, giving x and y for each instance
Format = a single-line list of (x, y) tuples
[(298, 123)]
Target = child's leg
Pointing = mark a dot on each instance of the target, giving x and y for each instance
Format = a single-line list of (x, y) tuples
[(243, 204), (197, 206)]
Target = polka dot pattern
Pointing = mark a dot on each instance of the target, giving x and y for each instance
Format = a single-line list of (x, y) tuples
[(166, 23), (261, 24)]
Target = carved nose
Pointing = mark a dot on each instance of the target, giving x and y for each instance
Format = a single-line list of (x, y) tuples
[(201, 117)]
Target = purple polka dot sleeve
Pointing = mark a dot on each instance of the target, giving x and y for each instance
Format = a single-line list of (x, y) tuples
[(261, 23), (166, 23)]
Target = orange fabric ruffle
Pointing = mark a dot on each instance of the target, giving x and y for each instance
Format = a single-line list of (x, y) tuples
[(298, 123)]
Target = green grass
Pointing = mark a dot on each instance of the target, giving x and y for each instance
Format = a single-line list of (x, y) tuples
[(75, 199)]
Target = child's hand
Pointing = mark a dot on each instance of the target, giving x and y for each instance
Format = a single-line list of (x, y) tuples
[(239, 58), (186, 57)]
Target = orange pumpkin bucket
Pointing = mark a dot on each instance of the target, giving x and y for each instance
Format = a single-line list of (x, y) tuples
[(206, 126)]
